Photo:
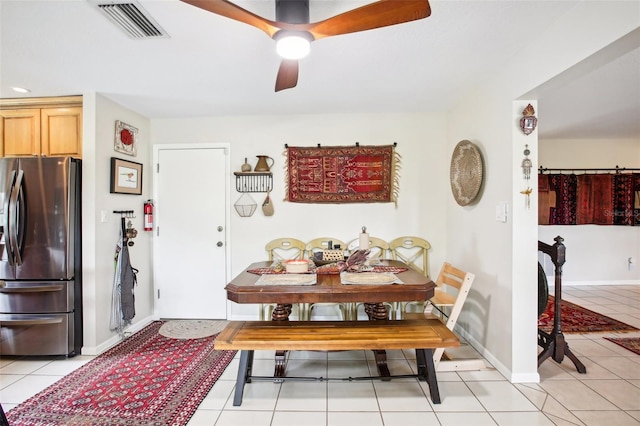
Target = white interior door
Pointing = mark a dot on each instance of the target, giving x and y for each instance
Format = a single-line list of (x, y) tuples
[(190, 247)]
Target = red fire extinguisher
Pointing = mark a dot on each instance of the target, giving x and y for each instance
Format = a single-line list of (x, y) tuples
[(148, 215)]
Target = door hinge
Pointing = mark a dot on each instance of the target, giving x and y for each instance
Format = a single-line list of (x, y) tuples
[(158, 293), (157, 167)]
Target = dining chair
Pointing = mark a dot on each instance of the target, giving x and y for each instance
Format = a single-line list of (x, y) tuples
[(316, 245), (414, 252), (452, 288), (322, 243), (279, 250), (379, 250)]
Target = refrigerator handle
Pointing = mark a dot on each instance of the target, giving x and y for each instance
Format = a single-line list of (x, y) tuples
[(21, 231), (16, 209), (8, 208)]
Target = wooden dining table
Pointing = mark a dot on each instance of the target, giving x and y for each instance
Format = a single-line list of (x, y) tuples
[(245, 288)]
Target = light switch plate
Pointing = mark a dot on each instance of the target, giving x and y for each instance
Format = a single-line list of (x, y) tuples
[(501, 212)]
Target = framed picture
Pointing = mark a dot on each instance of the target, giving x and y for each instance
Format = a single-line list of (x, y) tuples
[(126, 177), (126, 138)]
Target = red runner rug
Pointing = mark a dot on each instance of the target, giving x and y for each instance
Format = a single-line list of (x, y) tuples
[(147, 379), (576, 319), (342, 174), (630, 343)]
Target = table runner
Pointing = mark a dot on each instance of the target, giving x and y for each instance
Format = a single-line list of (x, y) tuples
[(342, 174), (376, 268)]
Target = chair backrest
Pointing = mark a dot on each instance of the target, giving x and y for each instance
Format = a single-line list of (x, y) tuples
[(455, 282), (412, 251), (379, 247), (285, 249), (322, 243)]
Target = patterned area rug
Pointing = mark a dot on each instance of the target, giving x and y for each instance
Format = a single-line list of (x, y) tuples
[(191, 329), (630, 343), (576, 319), (147, 379)]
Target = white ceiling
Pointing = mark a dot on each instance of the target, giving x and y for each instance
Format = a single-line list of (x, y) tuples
[(210, 65)]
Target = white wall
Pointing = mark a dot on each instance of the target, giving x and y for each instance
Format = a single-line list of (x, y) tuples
[(100, 238), (500, 314), (596, 254), (423, 183)]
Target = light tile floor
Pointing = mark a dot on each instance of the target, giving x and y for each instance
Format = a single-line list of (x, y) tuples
[(609, 394)]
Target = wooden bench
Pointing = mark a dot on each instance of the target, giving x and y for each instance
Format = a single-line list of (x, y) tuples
[(423, 335)]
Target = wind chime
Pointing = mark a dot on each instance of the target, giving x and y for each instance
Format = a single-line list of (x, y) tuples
[(528, 123), (526, 174)]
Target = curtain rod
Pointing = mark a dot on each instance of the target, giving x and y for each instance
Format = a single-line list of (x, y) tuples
[(395, 144), (616, 169)]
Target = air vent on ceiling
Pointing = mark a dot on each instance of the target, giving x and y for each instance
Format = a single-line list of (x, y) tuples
[(132, 19)]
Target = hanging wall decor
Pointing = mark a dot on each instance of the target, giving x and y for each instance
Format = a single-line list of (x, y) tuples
[(589, 198), (526, 165), (528, 122), (126, 138), (466, 172), (126, 177), (342, 174)]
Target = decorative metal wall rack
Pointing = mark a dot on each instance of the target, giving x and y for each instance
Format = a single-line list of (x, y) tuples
[(254, 181)]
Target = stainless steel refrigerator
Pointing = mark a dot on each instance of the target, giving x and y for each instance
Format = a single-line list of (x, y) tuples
[(40, 256)]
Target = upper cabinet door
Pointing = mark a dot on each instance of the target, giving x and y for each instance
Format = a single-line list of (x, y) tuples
[(61, 132), (19, 132)]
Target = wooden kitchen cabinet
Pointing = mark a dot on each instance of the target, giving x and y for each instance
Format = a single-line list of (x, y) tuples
[(54, 130)]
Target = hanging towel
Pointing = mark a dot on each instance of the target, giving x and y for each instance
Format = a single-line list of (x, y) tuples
[(127, 282), (122, 298), (116, 322)]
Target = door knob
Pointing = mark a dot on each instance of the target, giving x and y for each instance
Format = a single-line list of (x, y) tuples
[(219, 244), (220, 228)]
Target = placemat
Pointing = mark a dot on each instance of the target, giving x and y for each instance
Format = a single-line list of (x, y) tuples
[(369, 278), (287, 279)]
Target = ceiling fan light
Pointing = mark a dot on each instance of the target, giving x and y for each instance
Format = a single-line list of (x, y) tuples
[(294, 46)]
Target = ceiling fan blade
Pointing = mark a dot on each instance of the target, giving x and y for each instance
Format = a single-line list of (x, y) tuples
[(375, 15), (287, 74), (232, 11)]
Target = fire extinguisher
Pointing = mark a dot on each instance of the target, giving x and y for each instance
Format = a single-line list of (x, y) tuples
[(148, 215)]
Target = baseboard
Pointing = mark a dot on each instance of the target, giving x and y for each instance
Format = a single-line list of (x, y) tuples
[(551, 280), (482, 351), (114, 340)]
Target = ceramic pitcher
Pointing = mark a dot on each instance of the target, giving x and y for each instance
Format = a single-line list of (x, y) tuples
[(264, 163)]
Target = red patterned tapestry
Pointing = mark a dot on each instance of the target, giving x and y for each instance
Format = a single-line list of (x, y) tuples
[(342, 174), (597, 199), (147, 379), (594, 199)]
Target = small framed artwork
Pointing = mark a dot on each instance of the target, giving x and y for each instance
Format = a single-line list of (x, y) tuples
[(528, 122), (126, 138), (126, 177)]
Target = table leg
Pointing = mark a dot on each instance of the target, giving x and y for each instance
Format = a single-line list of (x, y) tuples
[(378, 311), (280, 313)]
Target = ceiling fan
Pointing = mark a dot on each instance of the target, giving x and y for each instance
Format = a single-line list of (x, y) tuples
[(293, 33)]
